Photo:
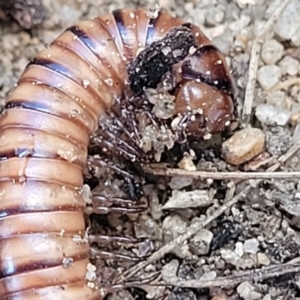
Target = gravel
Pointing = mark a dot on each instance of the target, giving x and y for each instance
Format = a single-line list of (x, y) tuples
[(260, 231)]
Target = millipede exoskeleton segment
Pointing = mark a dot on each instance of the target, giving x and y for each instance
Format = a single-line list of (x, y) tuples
[(77, 92)]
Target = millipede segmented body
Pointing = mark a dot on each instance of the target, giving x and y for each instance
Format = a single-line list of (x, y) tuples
[(46, 126)]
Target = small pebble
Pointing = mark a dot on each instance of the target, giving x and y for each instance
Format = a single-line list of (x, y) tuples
[(215, 15), (243, 146), (195, 198), (229, 256), (263, 259), (173, 226), (169, 270), (288, 26), (251, 246), (147, 227), (278, 140), (271, 115), (179, 182), (239, 249), (289, 66), (187, 164), (271, 52), (276, 98), (240, 23), (268, 76), (247, 291), (201, 241)]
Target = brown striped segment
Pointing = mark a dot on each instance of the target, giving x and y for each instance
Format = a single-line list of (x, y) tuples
[(75, 291), (112, 61), (107, 21), (44, 245), (39, 144), (51, 170), (52, 101), (67, 63), (159, 27), (79, 42), (33, 222), (40, 278), (37, 74), (207, 65), (37, 195), (26, 118)]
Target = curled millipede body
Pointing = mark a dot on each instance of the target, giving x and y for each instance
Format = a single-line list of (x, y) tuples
[(81, 80)]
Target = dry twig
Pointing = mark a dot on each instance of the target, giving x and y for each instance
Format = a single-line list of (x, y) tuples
[(222, 175), (253, 66), (256, 275)]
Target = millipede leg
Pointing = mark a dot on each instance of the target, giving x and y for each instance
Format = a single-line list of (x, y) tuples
[(104, 164), (104, 205), (139, 282), (108, 239), (105, 210), (99, 198), (105, 138), (116, 256)]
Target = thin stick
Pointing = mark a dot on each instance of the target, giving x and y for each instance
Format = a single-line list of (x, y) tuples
[(253, 66), (256, 275), (222, 175), (194, 228)]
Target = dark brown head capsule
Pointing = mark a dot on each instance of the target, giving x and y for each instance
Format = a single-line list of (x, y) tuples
[(196, 74)]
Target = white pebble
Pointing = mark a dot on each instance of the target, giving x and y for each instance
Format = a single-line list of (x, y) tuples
[(239, 249), (179, 182), (268, 76), (201, 241), (288, 25), (289, 66), (240, 23), (229, 256), (169, 270), (248, 292), (276, 98), (181, 199), (271, 52), (271, 115), (251, 246)]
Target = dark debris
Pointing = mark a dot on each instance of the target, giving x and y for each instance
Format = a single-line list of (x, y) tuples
[(156, 60)]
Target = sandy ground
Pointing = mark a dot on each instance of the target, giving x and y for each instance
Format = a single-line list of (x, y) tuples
[(244, 251)]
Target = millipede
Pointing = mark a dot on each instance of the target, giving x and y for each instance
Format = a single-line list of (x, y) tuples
[(112, 92)]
